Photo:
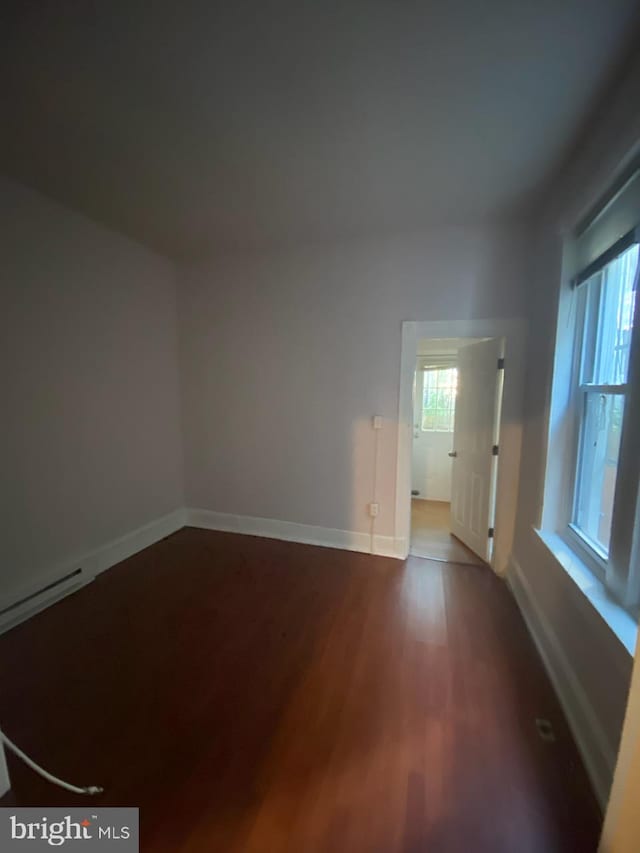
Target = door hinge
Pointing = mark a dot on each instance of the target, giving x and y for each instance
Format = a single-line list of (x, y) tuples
[(491, 532), (501, 364), (494, 450)]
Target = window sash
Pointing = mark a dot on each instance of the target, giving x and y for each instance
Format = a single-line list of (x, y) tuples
[(613, 568), (582, 501), (603, 389)]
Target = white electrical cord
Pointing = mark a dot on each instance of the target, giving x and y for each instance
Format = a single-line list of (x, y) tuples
[(91, 790)]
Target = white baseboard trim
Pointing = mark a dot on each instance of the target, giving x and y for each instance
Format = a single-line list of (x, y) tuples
[(597, 753), (91, 563), (289, 531), (98, 560), (137, 540)]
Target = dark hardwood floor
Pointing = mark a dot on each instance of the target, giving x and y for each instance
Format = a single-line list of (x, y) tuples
[(260, 696)]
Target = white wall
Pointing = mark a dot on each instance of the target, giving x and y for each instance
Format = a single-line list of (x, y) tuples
[(286, 356), (593, 664), (621, 831), (90, 425)]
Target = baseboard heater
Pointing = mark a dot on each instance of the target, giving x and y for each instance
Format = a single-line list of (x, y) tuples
[(40, 598)]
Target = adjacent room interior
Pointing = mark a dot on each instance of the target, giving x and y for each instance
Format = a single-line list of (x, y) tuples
[(320, 424), (434, 453)]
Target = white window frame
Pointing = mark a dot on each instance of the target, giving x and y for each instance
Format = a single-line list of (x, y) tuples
[(588, 550), (620, 570), (428, 368)]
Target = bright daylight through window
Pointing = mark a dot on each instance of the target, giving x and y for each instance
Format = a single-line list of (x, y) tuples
[(602, 373), (439, 399)]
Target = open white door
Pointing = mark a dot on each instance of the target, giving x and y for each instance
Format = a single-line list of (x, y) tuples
[(477, 420)]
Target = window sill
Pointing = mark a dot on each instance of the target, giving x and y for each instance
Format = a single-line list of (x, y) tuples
[(616, 617)]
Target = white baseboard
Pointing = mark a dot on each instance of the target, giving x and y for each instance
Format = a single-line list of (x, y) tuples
[(597, 753), (289, 531), (98, 560), (137, 540), (92, 563)]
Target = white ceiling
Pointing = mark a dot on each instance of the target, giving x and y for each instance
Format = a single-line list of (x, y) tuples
[(198, 125)]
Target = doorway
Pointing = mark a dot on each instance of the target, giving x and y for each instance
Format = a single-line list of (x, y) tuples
[(457, 397), (514, 333)]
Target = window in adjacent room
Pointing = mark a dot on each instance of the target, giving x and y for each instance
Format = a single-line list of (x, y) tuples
[(439, 399)]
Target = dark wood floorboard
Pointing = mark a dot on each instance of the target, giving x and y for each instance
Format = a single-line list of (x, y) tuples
[(260, 696)]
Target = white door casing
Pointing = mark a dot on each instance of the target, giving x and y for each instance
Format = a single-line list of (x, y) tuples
[(477, 420)]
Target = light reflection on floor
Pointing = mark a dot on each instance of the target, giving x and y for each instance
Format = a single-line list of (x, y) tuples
[(430, 536)]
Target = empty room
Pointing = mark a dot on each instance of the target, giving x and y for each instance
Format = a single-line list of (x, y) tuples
[(320, 426)]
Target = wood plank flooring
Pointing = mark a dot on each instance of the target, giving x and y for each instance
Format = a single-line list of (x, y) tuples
[(431, 537), (260, 696)]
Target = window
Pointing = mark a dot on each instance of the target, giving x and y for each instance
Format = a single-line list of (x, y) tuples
[(439, 399), (608, 299), (590, 515)]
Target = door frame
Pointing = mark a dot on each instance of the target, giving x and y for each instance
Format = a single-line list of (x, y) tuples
[(513, 330)]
